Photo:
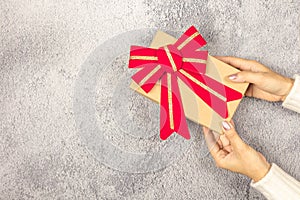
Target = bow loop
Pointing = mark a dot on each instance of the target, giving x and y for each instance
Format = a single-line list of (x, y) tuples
[(141, 56), (191, 40)]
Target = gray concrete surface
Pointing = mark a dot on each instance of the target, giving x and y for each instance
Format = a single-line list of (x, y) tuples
[(45, 43)]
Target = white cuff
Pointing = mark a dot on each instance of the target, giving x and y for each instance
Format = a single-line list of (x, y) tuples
[(277, 184), (292, 101)]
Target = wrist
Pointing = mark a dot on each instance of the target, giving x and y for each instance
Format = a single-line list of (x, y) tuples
[(260, 173), (289, 86)]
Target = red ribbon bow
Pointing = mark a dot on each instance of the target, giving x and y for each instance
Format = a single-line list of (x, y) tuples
[(182, 60)]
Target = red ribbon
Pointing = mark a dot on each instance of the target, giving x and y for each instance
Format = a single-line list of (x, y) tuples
[(185, 61)]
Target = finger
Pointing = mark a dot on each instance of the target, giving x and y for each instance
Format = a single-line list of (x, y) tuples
[(217, 139), (228, 148), (243, 64), (239, 63), (224, 140), (248, 76), (232, 122), (216, 135), (221, 154), (249, 92), (220, 144), (232, 135), (211, 142)]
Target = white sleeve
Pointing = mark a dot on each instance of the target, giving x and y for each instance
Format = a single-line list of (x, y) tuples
[(277, 184), (292, 101)]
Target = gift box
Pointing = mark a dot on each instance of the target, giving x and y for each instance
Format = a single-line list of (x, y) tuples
[(186, 81)]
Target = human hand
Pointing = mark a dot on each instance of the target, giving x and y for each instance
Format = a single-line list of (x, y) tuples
[(230, 152), (264, 83)]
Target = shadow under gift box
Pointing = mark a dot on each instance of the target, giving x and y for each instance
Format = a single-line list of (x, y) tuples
[(195, 108)]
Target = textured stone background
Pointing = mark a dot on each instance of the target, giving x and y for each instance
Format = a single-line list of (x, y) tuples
[(44, 44)]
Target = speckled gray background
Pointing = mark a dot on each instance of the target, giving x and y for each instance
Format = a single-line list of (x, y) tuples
[(45, 43)]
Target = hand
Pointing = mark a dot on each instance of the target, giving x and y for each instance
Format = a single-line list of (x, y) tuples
[(264, 83), (230, 152)]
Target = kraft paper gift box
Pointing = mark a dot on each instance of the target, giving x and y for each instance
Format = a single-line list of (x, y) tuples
[(195, 109)]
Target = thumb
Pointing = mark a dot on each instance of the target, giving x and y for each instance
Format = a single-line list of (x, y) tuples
[(232, 135), (247, 76)]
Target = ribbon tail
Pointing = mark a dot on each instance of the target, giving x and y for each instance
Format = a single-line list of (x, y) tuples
[(172, 117), (213, 93)]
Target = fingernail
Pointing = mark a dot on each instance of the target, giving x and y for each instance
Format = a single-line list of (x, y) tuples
[(226, 125), (232, 76)]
